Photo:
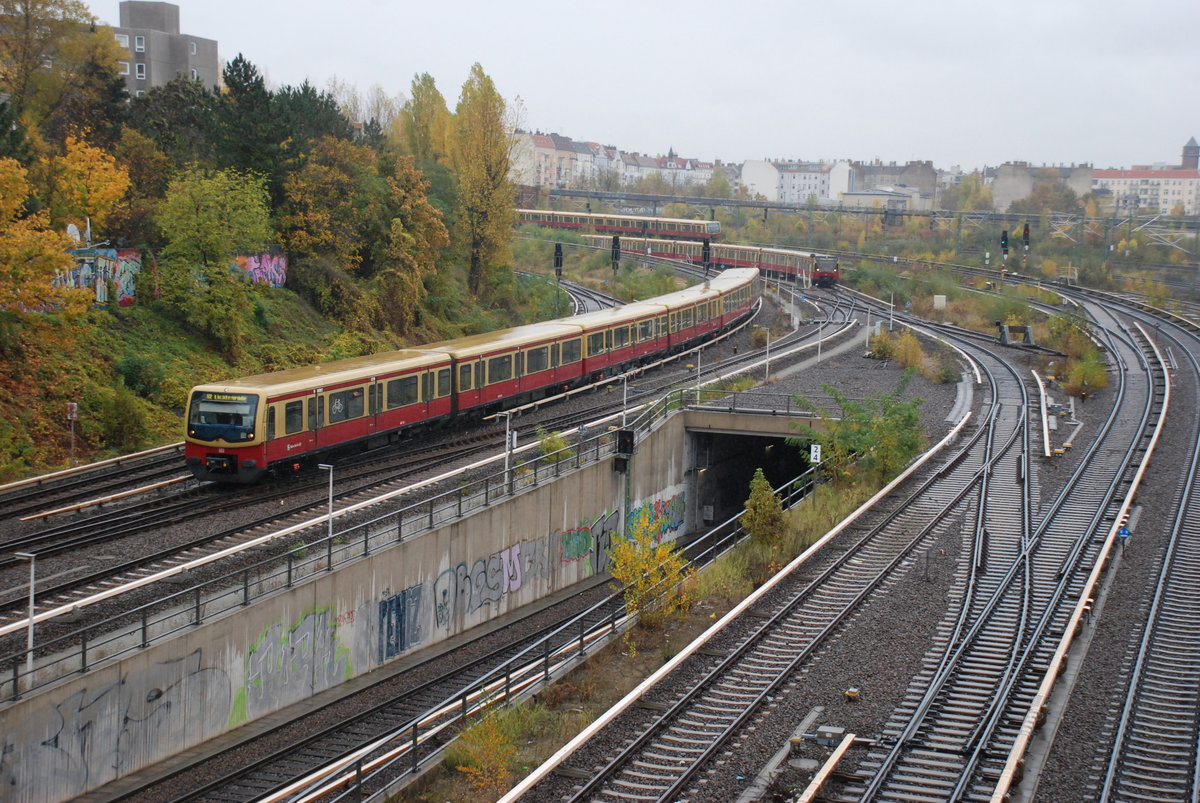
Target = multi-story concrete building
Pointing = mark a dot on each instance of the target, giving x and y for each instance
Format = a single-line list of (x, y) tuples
[(1152, 189), (877, 175), (1013, 181), (795, 182), (158, 52)]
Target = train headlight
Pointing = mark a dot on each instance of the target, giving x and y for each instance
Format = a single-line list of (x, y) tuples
[(249, 436)]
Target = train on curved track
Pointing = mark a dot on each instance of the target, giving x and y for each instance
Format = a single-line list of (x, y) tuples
[(804, 267), (240, 429), (623, 225)]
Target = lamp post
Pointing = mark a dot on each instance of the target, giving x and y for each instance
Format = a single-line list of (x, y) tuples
[(508, 450), (32, 558), (329, 539)]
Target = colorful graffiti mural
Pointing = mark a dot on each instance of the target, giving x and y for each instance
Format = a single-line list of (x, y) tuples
[(662, 516), (96, 268), (269, 269)]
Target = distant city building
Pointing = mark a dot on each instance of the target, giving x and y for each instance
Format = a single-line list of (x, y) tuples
[(876, 175), (797, 182), (157, 52), (1013, 181), (552, 160), (1152, 189), (894, 198)]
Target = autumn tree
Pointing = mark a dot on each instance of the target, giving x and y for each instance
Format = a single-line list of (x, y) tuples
[(480, 150), (85, 183), (207, 218), (651, 575), (424, 122), (1047, 196), (416, 239), (149, 171), (331, 200), (763, 517), (30, 254)]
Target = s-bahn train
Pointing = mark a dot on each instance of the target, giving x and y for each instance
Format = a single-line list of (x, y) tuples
[(623, 225), (805, 267), (239, 429)]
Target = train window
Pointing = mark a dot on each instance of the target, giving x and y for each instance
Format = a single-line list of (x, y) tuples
[(345, 405), (646, 330), (621, 337), (443, 382), (312, 414), (519, 364), (320, 411), (464, 377), (499, 369), (571, 351), (401, 392), (686, 318), (554, 355), (271, 423), (595, 344), (293, 416), (537, 359), (426, 386)]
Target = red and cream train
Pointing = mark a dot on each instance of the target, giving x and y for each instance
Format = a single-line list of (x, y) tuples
[(239, 429), (804, 267)]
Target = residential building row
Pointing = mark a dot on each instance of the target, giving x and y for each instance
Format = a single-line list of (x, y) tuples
[(158, 52)]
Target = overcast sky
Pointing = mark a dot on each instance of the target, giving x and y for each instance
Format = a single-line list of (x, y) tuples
[(960, 82)]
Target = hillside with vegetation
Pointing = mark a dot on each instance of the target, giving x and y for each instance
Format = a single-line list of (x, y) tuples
[(396, 219)]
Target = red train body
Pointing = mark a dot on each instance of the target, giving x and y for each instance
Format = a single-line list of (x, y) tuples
[(240, 429), (623, 225)]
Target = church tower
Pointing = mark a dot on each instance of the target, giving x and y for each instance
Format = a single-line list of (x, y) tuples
[(1191, 155)]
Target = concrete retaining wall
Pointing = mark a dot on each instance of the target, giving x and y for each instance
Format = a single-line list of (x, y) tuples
[(92, 729)]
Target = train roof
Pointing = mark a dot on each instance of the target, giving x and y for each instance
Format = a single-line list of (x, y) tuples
[(476, 345), (615, 316), (731, 277), (615, 215), (330, 373)]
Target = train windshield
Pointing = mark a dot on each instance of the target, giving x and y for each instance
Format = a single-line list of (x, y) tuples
[(222, 416)]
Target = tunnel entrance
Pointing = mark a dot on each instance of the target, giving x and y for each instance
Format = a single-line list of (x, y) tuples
[(723, 465)]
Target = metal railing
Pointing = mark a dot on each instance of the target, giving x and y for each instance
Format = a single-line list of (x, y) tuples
[(116, 637)]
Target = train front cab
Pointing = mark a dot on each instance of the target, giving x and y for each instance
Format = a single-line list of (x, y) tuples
[(225, 439)]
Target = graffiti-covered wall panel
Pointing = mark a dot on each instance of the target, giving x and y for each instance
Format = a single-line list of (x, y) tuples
[(99, 269)]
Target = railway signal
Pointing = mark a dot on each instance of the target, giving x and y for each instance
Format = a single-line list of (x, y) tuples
[(1025, 236), (706, 255), (558, 260), (616, 254), (1004, 243)]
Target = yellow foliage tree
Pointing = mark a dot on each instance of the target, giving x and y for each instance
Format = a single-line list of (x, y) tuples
[(489, 752), (423, 125), (85, 182), (31, 253), (481, 151), (652, 574), (907, 350)]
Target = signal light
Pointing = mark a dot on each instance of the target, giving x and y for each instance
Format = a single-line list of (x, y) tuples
[(625, 441), (1025, 235), (1004, 239), (558, 260)]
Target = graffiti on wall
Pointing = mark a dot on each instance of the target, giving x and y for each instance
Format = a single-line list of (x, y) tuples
[(102, 269), (589, 542), (401, 622), (101, 733), (661, 516), (288, 662), (269, 269), (96, 268)]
